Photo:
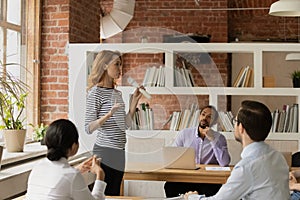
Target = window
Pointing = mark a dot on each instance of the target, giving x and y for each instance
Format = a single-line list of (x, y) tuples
[(19, 43)]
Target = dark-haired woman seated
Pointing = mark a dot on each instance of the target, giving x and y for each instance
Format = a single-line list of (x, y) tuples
[(54, 178)]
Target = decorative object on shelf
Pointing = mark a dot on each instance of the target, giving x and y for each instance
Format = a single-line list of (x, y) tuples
[(292, 56), (268, 81), (13, 93), (285, 8), (39, 132), (118, 18), (295, 75)]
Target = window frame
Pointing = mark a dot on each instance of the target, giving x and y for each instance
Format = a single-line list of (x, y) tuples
[(30, 30)]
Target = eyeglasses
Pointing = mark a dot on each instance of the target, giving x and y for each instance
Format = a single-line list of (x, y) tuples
[(234, 121)]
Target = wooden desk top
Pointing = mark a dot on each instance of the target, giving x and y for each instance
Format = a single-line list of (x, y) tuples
[(152, 171), (123, 197)]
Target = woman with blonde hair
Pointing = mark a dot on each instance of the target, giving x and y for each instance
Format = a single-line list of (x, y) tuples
[(105, 116)]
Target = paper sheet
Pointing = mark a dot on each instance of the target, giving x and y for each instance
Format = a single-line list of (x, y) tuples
[(217, 168)]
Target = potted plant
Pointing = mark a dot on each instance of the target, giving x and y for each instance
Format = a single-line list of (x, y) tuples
[(13, 93), (295, 75), (39, 132)]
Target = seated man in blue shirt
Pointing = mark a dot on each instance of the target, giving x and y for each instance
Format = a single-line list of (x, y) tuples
[(210, 148), (262, 173)]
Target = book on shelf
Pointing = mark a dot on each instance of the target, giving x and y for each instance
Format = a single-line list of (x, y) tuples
[(295, 118), (244, 78), (275, 115), (280, 126)]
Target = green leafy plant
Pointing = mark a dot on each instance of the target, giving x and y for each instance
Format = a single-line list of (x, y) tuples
[(13, 93), (39, 131), (295, 74)]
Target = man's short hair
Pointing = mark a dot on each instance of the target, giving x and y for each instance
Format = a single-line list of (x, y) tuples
[(256, 118), (215, 114)]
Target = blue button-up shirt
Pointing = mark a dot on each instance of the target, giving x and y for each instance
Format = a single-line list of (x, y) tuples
[(261, 174)]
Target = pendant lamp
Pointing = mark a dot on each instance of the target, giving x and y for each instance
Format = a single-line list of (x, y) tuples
[(292, 56), (285, 8)]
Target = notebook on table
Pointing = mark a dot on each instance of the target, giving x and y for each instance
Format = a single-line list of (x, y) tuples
[(179, 158)]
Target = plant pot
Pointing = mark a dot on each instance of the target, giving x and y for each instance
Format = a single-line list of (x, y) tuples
[(14, 140), (296, 82)]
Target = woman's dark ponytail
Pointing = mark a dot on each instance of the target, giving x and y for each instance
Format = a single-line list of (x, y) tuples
[(60, 136)]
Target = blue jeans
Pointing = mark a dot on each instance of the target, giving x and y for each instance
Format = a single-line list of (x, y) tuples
[(295, 195)]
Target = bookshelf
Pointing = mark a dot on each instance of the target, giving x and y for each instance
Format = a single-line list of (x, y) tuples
[(260, 56)]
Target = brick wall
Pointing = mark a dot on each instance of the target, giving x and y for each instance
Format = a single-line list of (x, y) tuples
[(77, 21), (54, 71), (258, 25), (84, 21), (153, 20)]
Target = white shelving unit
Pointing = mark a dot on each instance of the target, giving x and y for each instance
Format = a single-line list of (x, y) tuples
[(79, 60), (78, 57)]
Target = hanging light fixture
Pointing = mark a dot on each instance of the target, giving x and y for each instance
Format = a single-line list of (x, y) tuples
[(285, 8), (292, 56)]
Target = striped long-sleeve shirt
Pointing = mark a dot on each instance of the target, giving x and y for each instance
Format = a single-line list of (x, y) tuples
[(99, 103)]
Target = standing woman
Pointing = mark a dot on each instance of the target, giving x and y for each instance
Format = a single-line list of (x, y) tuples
[(105, 116)]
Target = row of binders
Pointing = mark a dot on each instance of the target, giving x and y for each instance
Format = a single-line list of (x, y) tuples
[(286, 120), (143, 118), (154, 77), (244, 78)]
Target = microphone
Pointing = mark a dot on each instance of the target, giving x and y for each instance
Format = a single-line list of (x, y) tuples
[(132, 82)]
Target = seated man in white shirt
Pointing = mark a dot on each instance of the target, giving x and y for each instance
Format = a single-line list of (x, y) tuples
[(262, 173), (54, 178)]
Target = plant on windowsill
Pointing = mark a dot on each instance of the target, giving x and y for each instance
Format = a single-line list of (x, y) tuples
[(39, 132), (13, 93), (295, 76)]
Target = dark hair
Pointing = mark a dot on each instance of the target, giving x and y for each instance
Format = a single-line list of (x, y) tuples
[(256, 118), (296, 159), (215, 114), (60, 136)]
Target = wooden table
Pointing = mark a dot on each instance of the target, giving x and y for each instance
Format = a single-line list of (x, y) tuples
[(123, 197), (155, 172)]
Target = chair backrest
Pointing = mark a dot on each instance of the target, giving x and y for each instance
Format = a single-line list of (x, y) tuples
[(296, 159), (145, 150), (288, 158)]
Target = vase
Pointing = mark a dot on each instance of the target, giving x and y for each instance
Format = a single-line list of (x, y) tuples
[(14, 140), (296, 82)]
